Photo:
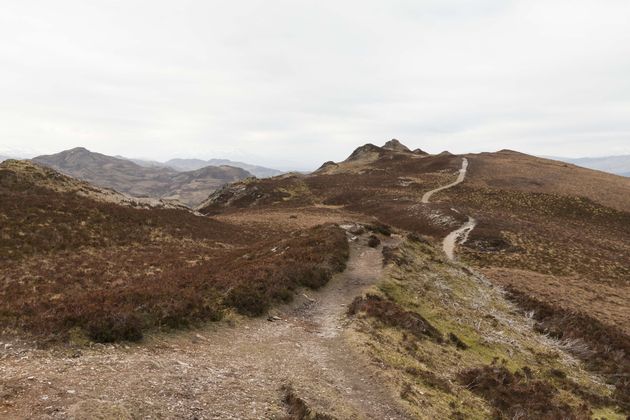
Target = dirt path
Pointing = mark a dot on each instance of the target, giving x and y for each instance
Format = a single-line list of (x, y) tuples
[(222, 371), (460, 235), (460, 178)]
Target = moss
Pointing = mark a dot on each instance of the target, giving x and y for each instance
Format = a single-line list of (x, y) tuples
[(454, 301), (78, 337), (608, 413)]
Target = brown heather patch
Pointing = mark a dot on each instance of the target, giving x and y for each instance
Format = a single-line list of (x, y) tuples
[(389, 189), (547, 233), (606, 349), (71, 262), (283, 192), (604, 302), (393, 315), (298, 409), (518, 395), (37, 220), (185, 284), (512, 171)]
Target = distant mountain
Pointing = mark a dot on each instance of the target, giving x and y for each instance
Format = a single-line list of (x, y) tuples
[(145, 163), (26, 174), (192, 164), (3, 158), (619, 165), (125, 176)]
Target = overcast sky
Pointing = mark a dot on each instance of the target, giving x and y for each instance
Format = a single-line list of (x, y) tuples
[(294, 83)]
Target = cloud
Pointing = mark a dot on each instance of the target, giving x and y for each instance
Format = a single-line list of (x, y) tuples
[(295, 83)]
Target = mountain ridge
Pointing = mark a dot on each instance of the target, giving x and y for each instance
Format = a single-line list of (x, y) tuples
[(130, 178), (183, 164)]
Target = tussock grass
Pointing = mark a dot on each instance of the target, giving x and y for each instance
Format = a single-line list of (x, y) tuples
[(459, 303)]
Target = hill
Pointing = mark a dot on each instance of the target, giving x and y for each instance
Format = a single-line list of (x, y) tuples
[(93, 256), (139, 181), (194, 164), (393, 284), (24, 173), (619, 165), (539, 225)]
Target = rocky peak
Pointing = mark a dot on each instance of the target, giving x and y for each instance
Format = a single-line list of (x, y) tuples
[(365, 151), (328, 164), (395, 146)]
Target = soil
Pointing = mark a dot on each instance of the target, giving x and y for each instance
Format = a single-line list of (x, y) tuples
[(458, 236)]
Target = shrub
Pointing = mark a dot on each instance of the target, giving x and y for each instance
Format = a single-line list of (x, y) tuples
[(297, 407), (414, 237), (608, 346), (391, 314), (373, 241), (124, 271), (381, 228), (514, 395), (248, 300), (457, 341), (115, 327), (314, 277)]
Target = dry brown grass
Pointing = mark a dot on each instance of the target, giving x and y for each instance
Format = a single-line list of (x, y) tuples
[(518, 395), (607, 303), (547, 233), (507, 170), (393, 315), (606, 349), (115, 294)]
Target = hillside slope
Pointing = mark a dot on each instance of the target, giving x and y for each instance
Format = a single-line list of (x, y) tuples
[(515, 171), (541, 227), (139, 181), (94, 255), (24, 173), (524, 316)]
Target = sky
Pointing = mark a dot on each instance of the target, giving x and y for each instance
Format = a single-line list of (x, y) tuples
[(294, 83)]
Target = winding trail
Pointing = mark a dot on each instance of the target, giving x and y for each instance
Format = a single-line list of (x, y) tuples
[(459, 180), (460, 235)]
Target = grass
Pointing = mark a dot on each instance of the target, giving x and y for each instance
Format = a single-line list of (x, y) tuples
[(519, 394), (546, 233), (427, 373), (606, 350)]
